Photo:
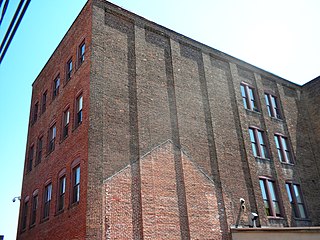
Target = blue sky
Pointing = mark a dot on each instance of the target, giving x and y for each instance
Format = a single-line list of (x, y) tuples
[(281, 37)]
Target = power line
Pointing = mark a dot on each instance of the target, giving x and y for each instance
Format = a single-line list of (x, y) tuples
[(14, 24)]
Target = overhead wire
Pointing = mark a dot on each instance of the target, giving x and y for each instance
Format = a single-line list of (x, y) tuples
[(14, 24)]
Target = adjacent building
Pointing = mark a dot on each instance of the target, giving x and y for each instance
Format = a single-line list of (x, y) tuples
[(137, 132)]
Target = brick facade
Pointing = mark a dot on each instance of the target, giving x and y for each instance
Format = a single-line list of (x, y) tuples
[(164, 145)]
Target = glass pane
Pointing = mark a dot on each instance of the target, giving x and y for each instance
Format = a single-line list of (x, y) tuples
[(288, 192), (276, 140), (48, 192), (67, 117), (264, 151), (251, 133), (284, 143), (244, 96), (243, 91), (54, 132), (297, 193), (288, 156), (62, 185), (80, 103), (302, 211), (251, 94), (276, 208), (260, 136), (267, 99), (83, 47), (271, 190), (77, 175), (267, 208), (274, 102), (263, 190), (280, 155), (254, 149)]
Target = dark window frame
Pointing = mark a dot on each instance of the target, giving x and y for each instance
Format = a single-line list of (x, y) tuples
[(285, 153), (44, 101), (47, 200), (25, 210), (35, 112), (250, 101), (69, 69), (61, 193), (30, 158), (65, 123), (52, 138), (292, 189), (273, 105), (268, 199), (81, 53), (79, 110), (35, 204), (56, 86), (39, 150), (261, 147), (75, 181)]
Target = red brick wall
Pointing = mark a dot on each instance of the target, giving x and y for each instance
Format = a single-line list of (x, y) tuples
[(69, 224)]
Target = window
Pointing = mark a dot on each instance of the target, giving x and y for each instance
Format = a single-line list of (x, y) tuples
[(69, 70), (30, 158), (249, 98), (283, 148), (44, 102), (270, 198), (258, 143), (52, 137), (34, 209), (24, 214), (35, 112), (66, 120), (82, 49), (272, 106), (56, 85), (76, 184), (47, 199), (39, 150), (62, 191), (295, 198), (79, 105)]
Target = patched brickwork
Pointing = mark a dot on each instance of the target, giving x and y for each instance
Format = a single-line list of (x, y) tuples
[(159, 199)]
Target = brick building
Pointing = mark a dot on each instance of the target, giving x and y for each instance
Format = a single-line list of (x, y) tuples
[(139, 132)]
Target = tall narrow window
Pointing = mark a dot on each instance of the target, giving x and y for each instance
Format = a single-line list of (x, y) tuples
[(34, 209), (56, 86), (24, 215), (79, 105), (82, 49), (249, 97), (62, 191), (295, 198), (258, 143), (66, 120), (52, 137), (44, 102), (272, 105), (30, 158), (39, 150), (69, 70), (47, 200), (270, 198), (35, 112), (283, 148), (76, 184)]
